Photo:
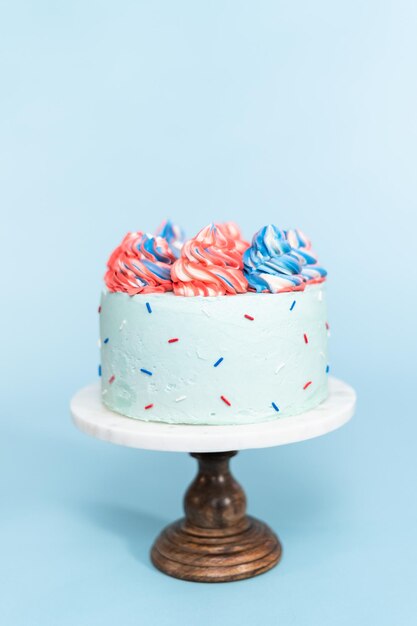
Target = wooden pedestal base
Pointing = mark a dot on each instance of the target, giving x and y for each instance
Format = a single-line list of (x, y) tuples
[(216, 541)]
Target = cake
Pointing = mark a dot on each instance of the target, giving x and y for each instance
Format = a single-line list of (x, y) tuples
[(213, 330)]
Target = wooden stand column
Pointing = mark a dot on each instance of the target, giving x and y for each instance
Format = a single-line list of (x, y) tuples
[(216, 541)]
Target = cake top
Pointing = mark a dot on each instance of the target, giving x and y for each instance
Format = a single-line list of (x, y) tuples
[(216, 262)]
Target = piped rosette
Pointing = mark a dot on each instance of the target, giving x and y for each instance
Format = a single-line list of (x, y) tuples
[(210, 265), (270, 265), (311, 271), (174, 235), (140, 264), (234, 232)]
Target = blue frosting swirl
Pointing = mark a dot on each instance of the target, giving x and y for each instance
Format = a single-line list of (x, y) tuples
[(281, 260), (270, 263), (174, 235), (301, 247)]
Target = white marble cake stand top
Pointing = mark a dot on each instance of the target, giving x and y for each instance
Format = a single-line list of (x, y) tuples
[(93, 418)]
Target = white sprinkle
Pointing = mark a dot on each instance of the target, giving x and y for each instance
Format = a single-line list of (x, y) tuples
[(122, 325), (180, 399), (322, 355), (206, 312), (99, 342), (328, 333), (320, 296), (279, 368), (103, 393)]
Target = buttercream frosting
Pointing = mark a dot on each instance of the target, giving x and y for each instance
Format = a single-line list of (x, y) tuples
[(301, 246), (281, 260), (174, 235), (140, 264), (209, 265), (214, 360), (235, 233), (270, 264)]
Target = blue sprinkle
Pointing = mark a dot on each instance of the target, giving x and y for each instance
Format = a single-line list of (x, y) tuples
[(218, 362), (106, 340), (99, 370), (146, 371), (292, 306), (327, 369), (148, 306), (275, 407)]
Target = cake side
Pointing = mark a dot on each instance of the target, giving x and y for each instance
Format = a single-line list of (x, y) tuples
[(214, 360)]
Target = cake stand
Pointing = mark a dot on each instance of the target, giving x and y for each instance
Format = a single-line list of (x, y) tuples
[(216, 541)]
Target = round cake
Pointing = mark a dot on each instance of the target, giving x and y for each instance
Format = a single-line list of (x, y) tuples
[(212, 330)]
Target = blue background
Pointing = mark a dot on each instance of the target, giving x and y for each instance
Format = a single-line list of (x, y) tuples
[(115, 115)]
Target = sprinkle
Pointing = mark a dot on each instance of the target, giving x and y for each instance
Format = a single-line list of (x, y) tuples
[(249, 317), (148, 306), (322, 355), (327, 369), (106, 340), (307, 384), (327, 326), (146, 371), (99, 370), (99, 342), (103, 393), (148, 406), (320, 296), (180, 399), (206, 312), (225, 400), (305, 338), (292, 306), (99, 309), (275, 407), (122, 325), (218, 362), (111, 379), (279, 368), (201, 356), (173, 340)]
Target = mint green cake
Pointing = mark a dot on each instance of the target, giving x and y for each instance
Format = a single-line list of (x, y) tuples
[(214, 360), (214, 331)]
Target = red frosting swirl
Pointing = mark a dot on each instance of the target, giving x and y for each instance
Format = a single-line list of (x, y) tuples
[(140, 264), (210, 265), (234, 232)]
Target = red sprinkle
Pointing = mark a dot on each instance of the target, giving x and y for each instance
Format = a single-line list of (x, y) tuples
[(173, 340), (99, 309), (148, 406), (111, 379), (307, 384), (305, 338), (249, 317), (327, 326), (225, 400)]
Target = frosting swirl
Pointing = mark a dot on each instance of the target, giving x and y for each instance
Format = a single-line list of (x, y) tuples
[(301, 247), (270, 264), (233, 231), (209, 265), (140, 264), (174, 235)]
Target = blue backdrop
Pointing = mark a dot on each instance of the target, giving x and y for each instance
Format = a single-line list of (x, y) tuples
[(115, 115)]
